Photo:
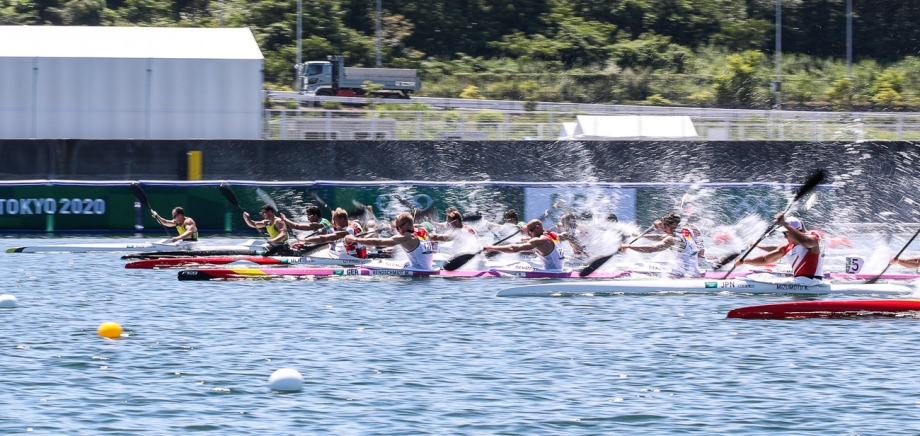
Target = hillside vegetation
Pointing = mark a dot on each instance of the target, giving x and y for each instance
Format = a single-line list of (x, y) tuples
[(669, 52)]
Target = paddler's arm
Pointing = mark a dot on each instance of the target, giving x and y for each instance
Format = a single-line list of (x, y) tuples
[(322, 239), (515, 248), (298, 226), (378, 242), (161, 220), (650, 248), (912, 262), (764, 259), (251, 223)]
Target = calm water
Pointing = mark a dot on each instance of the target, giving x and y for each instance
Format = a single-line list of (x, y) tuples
[(427, 356)]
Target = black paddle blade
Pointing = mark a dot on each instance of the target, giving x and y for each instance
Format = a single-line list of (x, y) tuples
[(813, 181), (725, 260), (458, 261), (594, 265), (140, 194), (228, 194)]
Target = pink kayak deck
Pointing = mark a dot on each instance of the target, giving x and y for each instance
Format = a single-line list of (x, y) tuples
[(266, 273), (828, 309)]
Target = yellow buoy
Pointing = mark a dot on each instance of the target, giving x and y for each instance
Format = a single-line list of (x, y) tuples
[(109, 330)]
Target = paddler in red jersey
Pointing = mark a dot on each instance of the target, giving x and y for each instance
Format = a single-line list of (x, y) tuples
[(188, 230), (803, 251), (341, 228), (544, 244), (415, 242)]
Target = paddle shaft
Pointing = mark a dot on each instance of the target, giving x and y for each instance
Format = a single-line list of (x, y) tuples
[(896, 256)]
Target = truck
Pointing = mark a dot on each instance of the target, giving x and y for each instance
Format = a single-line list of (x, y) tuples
[(332, 77)]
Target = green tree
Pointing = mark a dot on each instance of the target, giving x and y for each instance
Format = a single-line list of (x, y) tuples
[(738, 84)]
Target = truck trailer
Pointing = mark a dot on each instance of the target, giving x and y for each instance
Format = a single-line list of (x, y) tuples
[(333, 78)]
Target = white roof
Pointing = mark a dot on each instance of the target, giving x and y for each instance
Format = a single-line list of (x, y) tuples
[(632, 127), (128, 42)]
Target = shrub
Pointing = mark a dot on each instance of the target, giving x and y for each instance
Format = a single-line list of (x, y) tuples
[(331, 105), (291, 103), (471, 91)]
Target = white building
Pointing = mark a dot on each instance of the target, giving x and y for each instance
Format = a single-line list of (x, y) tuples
[(629, 127), (129, 82)]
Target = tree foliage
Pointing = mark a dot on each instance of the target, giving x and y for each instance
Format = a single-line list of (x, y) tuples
[(690, 51)]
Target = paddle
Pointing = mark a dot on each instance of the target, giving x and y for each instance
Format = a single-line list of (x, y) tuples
[(142, 196), (231, 197), (813, 181), (600, 261), (462, 259), (876, 278)]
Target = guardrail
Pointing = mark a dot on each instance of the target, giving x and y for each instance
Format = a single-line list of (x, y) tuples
[(511, 125)]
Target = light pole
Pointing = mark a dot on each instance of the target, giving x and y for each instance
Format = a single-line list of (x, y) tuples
[(379, 33)]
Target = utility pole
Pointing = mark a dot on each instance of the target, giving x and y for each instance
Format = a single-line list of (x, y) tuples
[(778, 85), (297, 65), (850, 38), (379, 32)]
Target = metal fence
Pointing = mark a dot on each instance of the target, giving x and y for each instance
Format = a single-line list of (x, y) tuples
[(512, 125)]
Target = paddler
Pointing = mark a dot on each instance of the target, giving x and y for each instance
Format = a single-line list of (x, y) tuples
[(803, 250), (341, 228), (188, 230), (415, 242), (316, 222), (570, 232), (543, 243), (277, 231), (680, 240)]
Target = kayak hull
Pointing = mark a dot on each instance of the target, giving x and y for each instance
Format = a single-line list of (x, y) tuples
[(828, 309), (699, 286), (184, 248)]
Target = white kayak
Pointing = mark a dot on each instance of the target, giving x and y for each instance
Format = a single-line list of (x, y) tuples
[(752, 284), (161, 245)]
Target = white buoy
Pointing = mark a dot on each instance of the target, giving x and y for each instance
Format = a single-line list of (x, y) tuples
[(286, 379), (7, 300)]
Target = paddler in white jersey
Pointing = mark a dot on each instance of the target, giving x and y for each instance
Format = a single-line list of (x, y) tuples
[(277, 231), (416, 243), (680, 240), (544, 244), (188, 230), (803, 251), (341, 228)]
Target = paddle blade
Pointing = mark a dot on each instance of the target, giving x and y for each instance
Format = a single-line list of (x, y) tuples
[(458, 261), (228, 194), (725, 260), (138, 192), (813, 181), (267, 199), (594, 265)]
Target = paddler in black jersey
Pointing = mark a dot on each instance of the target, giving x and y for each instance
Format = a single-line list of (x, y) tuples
[(277, 231), (188, 230), (415, 242)]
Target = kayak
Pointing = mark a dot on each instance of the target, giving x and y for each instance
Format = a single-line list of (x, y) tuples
[(829, 309), (163, 245), (395, 268), (752, 284), (293, 272)]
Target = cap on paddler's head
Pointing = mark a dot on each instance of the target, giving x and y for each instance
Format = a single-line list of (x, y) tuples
[(793, 222)]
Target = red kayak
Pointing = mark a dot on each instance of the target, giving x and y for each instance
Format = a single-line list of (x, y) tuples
[(829, 309)]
